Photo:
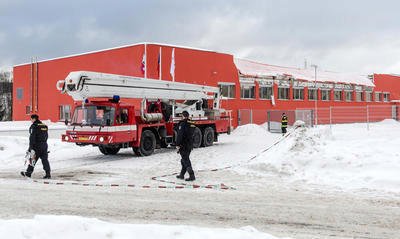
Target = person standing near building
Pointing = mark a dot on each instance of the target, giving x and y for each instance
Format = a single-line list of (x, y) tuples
[(284, 122), (184, 142), (38, 134)]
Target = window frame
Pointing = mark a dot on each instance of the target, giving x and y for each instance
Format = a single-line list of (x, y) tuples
[(287, 94), (368, 93), (243, 90), (328, 94), (385, 96), (359, 96), (348, 93), (269, 89), (62, 112), (314, 94), (341, 95), (379, 96), (231, 89), (298, 90)]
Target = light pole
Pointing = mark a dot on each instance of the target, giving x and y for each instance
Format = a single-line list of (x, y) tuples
[(316, 93)]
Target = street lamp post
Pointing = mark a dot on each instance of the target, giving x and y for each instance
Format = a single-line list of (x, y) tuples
[(316, 93)]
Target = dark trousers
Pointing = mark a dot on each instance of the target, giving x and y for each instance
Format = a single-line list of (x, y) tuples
[(41, 153), (283, 130), (185, 162)]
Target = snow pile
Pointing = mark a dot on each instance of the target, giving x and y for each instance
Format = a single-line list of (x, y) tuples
[(346, 156), (250, 130), (88, 228)]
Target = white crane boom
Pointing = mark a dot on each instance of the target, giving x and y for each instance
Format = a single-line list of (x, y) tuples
[(81, 85)]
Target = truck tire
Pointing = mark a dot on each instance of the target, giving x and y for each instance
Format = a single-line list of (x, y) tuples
[(208, 137), (147, 143), (197, 137), (136, 151), (109, 150)]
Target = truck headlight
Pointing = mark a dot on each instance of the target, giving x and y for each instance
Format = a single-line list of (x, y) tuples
[(101, 139), (66, 138)]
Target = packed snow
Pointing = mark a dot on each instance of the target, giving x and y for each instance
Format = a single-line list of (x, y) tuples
[(339, 157), (80, 227), (347, 156)]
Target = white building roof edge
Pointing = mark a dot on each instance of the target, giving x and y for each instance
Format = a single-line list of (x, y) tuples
[(114, 48), (255, 69)]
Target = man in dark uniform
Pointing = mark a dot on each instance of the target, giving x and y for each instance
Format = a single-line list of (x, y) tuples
[(284, 122), (38, 142), (184, 142)]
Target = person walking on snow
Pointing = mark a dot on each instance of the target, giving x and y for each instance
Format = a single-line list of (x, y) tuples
[(184, 142), (38, 134), (284, 122)]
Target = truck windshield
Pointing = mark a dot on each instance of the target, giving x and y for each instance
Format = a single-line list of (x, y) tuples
[(93, 115)]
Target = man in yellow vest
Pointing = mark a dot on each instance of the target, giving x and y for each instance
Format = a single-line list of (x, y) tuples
[(284, 122)]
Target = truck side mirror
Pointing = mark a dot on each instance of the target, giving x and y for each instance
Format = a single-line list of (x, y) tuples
[(66, 121)]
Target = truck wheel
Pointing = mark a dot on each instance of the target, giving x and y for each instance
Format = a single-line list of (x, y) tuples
[(197, 138), (147, 143), (136, 151), (109, 150), (208, 137), (103, 150), (113, 149)]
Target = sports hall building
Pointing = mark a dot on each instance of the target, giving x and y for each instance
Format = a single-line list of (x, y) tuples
[(246, 86)]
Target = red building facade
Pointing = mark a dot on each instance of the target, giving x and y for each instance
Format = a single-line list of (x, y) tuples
[(262, 89)]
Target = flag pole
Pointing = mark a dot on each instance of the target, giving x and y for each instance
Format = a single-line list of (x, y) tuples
[(160, 69), (145, 61)]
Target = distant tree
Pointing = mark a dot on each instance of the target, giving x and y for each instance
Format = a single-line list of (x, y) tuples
[(6, 88)]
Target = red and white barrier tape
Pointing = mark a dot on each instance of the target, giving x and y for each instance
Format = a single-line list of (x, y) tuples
[(190, 186), (157, 178), (175, 185)]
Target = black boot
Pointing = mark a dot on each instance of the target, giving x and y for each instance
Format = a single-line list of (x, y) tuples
[(182, 174), (47, 176), (191, 174), (25, 174)]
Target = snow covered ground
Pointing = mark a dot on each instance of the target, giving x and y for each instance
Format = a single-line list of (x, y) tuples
[(79, 227), (342, 158)]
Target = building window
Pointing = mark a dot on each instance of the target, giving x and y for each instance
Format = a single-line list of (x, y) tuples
[(349, 95), (227, 90), (27, 109), (377, 96), (265, 92), (64, 112), (246, 91), (283, 93), (20, 93), (312, 94), (368, 96), (298, 94), (386, 97), (325, 95), (338, 95), (359, 96)]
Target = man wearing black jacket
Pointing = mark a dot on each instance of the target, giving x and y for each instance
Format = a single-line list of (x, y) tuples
[(38, 134), (184, 142)]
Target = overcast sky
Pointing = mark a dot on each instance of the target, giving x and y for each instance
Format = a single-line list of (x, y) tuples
[(344, 36)]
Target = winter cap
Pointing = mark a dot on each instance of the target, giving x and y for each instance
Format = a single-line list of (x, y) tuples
[(35, 116)]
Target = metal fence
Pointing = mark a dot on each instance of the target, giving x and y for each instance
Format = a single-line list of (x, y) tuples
[(329, 115)]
